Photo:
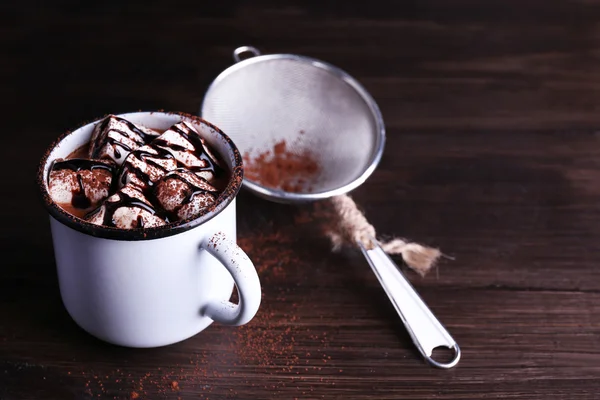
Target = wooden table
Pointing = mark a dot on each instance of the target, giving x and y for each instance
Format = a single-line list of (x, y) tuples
[(493, 155)]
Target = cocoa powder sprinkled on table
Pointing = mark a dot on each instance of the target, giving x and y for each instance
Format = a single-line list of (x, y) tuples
[(283, 168), (269, 338)]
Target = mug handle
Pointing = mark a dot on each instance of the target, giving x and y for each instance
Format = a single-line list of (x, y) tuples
[(245, 277)]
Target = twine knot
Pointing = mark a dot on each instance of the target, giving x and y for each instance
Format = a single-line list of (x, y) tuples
[(352, 228)]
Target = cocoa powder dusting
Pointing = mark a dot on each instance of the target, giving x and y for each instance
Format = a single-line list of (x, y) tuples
[(282, 168), (269, 338)]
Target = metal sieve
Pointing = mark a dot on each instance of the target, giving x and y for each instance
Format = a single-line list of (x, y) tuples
[(318, 108), (312, 105)]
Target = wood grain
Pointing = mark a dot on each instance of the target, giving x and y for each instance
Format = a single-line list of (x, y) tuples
[(493, 154)]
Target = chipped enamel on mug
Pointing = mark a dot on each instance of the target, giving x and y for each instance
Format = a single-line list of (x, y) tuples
[(155, 286)]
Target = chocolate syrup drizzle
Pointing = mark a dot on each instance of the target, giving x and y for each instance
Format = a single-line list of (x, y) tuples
[(194, 190), (77, 164), (162, 147), (199, 152), (146, 157), (124, 200), (79, 199), (145, 137), (163, 151)]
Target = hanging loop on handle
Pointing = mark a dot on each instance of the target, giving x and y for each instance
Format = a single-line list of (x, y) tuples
[(237, 53), (425, 330)]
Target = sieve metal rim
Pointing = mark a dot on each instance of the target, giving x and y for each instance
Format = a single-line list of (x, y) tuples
[(288, 197)]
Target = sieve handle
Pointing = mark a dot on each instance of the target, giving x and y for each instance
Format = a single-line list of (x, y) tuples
[(237, 53), (425, 330)]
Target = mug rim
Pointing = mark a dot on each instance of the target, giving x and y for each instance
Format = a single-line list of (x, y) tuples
[(170, 229)]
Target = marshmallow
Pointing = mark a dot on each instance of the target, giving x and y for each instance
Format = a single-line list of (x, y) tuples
[(80, 183), (184, 195), (114, 138), (190, 150), (126, 209), (146, 165)]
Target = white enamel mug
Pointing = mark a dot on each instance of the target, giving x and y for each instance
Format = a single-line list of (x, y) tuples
[(154, 286)]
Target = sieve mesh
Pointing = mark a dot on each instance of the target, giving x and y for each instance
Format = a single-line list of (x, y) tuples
[(311, 105)]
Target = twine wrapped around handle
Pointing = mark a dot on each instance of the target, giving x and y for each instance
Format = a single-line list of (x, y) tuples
[(352, 227)]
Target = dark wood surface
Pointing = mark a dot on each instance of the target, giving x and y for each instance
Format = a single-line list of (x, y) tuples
[(492, 110)]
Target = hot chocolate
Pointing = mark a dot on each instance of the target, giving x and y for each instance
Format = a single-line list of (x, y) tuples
[(145, 251)]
